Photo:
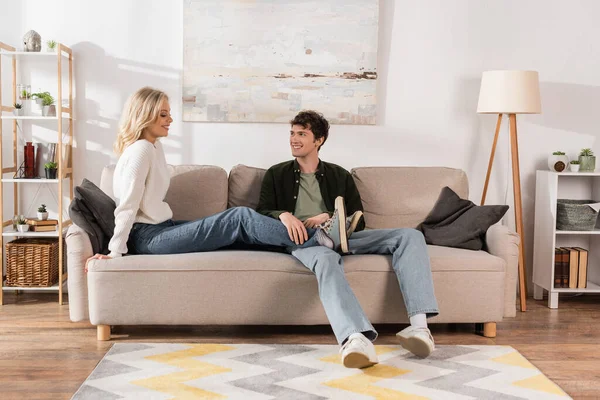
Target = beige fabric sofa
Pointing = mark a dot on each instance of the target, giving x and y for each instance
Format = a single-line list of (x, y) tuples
[(262, 288)]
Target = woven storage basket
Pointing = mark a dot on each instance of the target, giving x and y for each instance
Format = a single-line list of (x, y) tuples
[(575, 215), (32, 262)]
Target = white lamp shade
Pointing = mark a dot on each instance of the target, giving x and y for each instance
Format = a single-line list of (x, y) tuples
[(509, 92)]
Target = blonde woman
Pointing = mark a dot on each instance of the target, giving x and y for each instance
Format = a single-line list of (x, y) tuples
[(143, 220)]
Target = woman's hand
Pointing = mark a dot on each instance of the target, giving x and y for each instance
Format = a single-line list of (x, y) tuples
[(95, 257), (315, 221)]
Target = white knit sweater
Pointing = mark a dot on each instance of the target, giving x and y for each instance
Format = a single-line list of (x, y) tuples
[(140, 184)]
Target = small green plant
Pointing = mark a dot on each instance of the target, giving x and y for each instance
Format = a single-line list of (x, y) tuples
[(25, 95), (42, 208), (18, 106), (586, 153), (576, 162), (50, 165), (21, 220), (40, 95), (558, 153), (47, 100), (51, 44)]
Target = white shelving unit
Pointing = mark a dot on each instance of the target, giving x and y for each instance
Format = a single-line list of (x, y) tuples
[(63, 58), (551, 186)]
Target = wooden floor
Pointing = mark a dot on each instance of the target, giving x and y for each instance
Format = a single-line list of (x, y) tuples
[(45, 356)]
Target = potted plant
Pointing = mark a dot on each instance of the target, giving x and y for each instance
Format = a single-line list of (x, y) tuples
[(22, 223), (574, 165), (558, 161), (49, 109), (51, 44), (42, 212), (38, 101), (18, 111), (50, 168), (587, 161)]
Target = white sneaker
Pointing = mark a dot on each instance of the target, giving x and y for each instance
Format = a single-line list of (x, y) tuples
[(417, 340), (358, 352)]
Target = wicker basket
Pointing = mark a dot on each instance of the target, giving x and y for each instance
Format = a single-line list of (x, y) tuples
[(575, 215), (32, 262)]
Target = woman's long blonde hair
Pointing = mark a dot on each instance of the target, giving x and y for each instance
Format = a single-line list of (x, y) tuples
[(141, 110)]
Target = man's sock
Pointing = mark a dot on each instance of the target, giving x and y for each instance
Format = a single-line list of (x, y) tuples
[(419, 320)]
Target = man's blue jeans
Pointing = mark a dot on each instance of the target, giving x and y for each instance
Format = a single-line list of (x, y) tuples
[(410, 262)]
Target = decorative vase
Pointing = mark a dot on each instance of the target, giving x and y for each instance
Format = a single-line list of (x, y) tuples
[(49, 111), (587, 163), (558, 163), (32, 41), (42, 215), (19, 112), (50, 173), (22, 228), (29, 160), (574, 167)]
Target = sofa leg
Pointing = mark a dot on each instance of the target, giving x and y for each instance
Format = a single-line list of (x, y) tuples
[(103, 332), (489, 329)]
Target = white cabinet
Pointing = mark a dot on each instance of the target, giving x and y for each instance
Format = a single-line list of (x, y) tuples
[(551, 186)]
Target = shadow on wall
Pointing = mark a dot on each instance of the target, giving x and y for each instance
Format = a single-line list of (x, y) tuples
[(101, 78), (570, 107)]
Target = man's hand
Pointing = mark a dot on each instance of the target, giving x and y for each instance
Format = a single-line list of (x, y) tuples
[(317, 220), (96, 257), (294, 226)]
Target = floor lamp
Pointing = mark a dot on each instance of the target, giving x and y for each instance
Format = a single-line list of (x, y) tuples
[(512, 93)]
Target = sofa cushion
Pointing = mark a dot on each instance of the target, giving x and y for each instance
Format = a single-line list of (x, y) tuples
[(236, 287), (244, 186), (443, 259), (196, 191), (401, 197)]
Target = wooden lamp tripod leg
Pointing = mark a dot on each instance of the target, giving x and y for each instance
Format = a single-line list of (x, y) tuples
[(518, 209), (489, 170)]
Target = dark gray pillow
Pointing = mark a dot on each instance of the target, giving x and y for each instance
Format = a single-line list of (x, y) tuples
[(83, 217), (100, 205), (455, 222)]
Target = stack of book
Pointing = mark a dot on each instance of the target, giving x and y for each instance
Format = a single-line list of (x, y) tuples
[(570, 267), (38, 225)]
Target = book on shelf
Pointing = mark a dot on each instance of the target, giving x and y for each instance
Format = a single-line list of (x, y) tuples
[(565, 267), (583, 267), (43, 228), (561, 268), (570, 268), (41, 222), (573, 269)]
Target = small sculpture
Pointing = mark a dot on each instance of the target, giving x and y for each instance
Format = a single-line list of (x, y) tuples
[(32, 41)]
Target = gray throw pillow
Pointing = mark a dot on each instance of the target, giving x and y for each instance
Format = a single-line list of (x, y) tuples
[(100, 204), (455, 222), (82, 217)]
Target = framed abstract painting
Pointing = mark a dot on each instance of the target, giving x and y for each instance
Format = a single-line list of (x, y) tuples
[(265, 60)]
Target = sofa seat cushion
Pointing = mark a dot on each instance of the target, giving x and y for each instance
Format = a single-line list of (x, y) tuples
[(260, 288), (443, 259)]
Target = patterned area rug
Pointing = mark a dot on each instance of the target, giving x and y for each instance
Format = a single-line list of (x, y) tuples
[(252, 372)]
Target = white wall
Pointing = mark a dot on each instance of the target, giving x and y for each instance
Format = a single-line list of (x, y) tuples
[(431, 56)]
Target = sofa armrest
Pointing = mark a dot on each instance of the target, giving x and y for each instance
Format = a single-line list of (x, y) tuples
[(504, 243), (79, 249)]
